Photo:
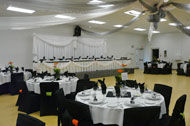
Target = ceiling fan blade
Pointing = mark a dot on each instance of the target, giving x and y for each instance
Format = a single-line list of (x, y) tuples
[(182, 6), (146, 5), (180, 26), (150, 32)]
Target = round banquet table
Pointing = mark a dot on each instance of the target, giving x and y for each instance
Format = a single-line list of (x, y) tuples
[(6, 77), (110, 110), (68, 85)]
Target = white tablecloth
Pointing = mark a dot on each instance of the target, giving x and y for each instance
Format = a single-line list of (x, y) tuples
[(82, 65), (160, 65), (4, 78), (102, 113), (67, 85), (184, 67)]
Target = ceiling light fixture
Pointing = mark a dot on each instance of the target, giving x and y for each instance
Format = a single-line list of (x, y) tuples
[(106, 6), (172, 24), (96, 22), (139, 29), (188, 27), (155, 31), (22, 10), (118, 26), (95, 2), (162, 20), (133, 13), (64, 17)]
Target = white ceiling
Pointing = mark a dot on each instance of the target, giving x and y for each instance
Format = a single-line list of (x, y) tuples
[(116, 18)]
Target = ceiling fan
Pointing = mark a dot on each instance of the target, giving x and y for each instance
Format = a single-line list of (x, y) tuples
[(158, 10)]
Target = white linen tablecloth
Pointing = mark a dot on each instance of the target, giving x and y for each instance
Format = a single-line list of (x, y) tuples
[(4, 78), (103, 113), (67, 85)]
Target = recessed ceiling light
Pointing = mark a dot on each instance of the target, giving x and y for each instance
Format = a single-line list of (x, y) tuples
[(22, 10), (139, 29), (118, 26), (106, 6), (188, 27), (133, 13), (64, 17), (95, 2), (172, 24), (96, 22), (163, 19), (155, 31)]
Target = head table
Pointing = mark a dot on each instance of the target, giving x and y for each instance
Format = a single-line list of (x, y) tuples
[(67, 83), (110, 110)]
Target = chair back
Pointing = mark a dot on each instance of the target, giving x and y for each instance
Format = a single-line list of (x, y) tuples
[(80, 112), (177, 118), (131, 83), (48, 101), (17, 77), (84, 85), (26, 120), (141, 116), (166, 91)]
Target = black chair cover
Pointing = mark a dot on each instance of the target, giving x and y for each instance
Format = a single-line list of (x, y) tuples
[(80, 112), (16, 78), (166, 91), (26, 120), (48, 101), (22, 88), (141, 116)]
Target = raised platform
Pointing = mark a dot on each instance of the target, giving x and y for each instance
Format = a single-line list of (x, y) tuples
[(103, 73)]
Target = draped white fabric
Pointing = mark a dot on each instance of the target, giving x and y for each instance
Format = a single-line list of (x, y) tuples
[(58, 46), (81, 66)]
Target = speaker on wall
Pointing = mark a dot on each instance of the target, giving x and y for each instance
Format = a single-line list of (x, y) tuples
[(77, 31)]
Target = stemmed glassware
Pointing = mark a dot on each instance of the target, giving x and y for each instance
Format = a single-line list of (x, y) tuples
[(95, 88)]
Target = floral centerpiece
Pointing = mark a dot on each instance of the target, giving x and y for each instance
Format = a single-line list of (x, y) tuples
[(56, 71), (11, 66), (118, 77)]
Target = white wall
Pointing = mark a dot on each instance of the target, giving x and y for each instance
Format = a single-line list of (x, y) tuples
[(16, 46), (176, 44)]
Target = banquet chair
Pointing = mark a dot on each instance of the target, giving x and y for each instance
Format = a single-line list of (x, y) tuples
[(4, 88), (146, 69), (141, 116), (166, 91), (82, 85), (15, 80), (59, 96), (28, 102), (188, 70), (177, 118), (131, 83), (26, 120), (79, 112), (47, 101), (179, 70)]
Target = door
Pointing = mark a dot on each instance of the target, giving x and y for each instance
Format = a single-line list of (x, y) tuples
[(155, 54), (140, 58)]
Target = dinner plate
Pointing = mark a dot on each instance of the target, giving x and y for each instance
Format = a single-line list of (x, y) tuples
[(99, 101), (84, 93), (149, 102), (136, 104), (85, 98), (157, 97), (112, 105)]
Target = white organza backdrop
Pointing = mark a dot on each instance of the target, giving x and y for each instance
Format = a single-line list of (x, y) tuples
[(59, 46)]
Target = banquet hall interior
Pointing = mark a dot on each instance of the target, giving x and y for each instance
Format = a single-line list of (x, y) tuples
[(94, 63)]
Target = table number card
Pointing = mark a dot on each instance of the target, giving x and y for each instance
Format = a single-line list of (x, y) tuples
[(124, 76)]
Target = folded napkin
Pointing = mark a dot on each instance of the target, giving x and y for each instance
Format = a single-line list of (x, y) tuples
[(103, 85), (110, 94)]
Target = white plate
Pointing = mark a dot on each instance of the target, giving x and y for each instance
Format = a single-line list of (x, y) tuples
[(149, 102), (84, 93), (136, 104), (85, 98), (99, 101), (112, 105), (158, 97)]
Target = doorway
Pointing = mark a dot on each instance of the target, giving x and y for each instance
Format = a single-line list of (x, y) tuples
[(140, 58), (155, 54)]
